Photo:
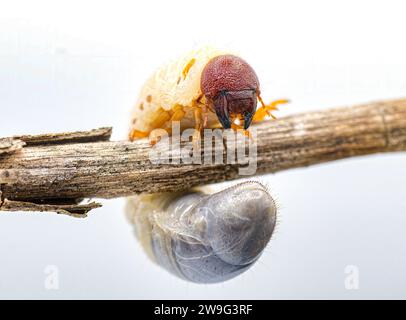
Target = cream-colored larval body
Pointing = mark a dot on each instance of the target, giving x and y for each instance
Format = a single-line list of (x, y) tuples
[(174, 84)]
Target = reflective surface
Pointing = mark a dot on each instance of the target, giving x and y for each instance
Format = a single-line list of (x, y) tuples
[(205, 238)]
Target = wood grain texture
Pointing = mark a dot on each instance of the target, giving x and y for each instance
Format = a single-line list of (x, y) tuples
[(66, 206), (117, 169)]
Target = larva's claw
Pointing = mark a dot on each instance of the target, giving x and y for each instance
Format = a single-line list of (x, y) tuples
[(283, 101), (266, 109), (136, 134)]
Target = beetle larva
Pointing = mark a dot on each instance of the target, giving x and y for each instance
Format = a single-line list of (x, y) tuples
[(204, 88), (201, 237), (198, 236)]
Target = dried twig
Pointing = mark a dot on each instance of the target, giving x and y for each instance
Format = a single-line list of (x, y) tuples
[(68, 206), (68, 166)]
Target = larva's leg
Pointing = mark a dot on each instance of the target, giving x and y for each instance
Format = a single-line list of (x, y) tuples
[(198, 125), (136, 134), (201, 115), (177, 115), (205, 115), (236, 127), (160, 119), (157, 133), (159, 122), (265, 110)]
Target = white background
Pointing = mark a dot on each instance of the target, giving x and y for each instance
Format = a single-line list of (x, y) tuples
[(79, 65)]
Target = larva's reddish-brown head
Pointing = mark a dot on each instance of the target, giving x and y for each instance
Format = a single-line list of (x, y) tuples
[(231, 86)]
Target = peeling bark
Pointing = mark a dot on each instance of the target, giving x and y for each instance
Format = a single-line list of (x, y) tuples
[(73, 210)]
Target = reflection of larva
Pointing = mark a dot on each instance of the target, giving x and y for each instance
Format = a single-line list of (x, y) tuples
[(204, 88), (199, 236), (204, 237)]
